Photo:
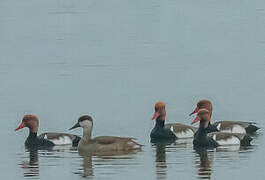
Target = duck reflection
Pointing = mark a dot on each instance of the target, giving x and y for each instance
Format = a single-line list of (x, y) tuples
[(204, 164), (161, 165), (87, 165), (31, 167)]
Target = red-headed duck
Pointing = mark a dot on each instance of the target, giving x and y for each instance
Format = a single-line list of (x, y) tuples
[(46, 139)]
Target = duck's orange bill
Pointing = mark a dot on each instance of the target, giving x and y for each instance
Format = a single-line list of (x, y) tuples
[(196, 119), (195, 111), (156, 115), (22, 125)]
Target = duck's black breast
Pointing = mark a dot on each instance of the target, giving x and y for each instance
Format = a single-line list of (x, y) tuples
[(202, 140), (211, 128), (159, 132), (33, 141), (76, 141)]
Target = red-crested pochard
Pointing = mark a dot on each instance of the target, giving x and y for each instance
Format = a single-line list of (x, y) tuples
[(225, 126), (46, 139), (169, 131), (204, 139), (102, 144)]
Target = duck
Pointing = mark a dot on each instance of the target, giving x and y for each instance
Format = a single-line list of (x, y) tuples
[(102, 144), (159, 132), (225, 126), (214, 139), (48, 139), (171, 131)]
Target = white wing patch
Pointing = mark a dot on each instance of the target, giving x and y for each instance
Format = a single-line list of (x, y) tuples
[(227, 142), (214, 137), (218, 126), (63, 140), (184, 134)]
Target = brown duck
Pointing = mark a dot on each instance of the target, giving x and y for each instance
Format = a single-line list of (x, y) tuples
[(102, 144)]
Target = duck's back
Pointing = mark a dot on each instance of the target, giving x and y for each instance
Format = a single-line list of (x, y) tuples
[(108, 143), (236, 126)]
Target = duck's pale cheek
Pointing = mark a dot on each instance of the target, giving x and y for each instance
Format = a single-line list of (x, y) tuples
[(86, 124)]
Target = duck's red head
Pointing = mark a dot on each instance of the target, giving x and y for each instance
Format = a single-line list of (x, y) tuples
[(202, 115), (30, 121), (203, 104), (160, 110)]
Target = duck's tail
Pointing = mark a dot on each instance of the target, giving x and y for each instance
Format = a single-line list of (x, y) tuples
[(246, 140), (252, 128)]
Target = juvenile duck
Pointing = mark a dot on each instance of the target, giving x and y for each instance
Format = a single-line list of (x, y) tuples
[(102, 144)]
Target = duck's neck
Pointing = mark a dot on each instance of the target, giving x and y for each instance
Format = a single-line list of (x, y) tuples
[(160, 122), (87, 131), (33, 129), (32, 135), (202, 130)]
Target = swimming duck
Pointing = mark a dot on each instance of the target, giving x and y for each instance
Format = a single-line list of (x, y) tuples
[(159, 132), (211, 140), (225, 126), (169, 131), (46, 139), (102, 144)]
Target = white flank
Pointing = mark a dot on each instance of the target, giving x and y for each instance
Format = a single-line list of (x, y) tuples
[(63, 140), (238, 129), (184, 134), (227, 142), (45, 136)]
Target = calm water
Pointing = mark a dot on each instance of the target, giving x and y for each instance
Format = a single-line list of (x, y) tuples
[(114, 59)]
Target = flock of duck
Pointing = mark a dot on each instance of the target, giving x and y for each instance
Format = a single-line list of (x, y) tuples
[(207, 135)]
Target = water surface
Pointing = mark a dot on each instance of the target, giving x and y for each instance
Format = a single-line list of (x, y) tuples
[(60, 59)]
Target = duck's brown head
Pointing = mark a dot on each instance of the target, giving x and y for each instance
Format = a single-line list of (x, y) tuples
[(31, 121), (203, 116), (84, 121), (203, 104), (160, 110)]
